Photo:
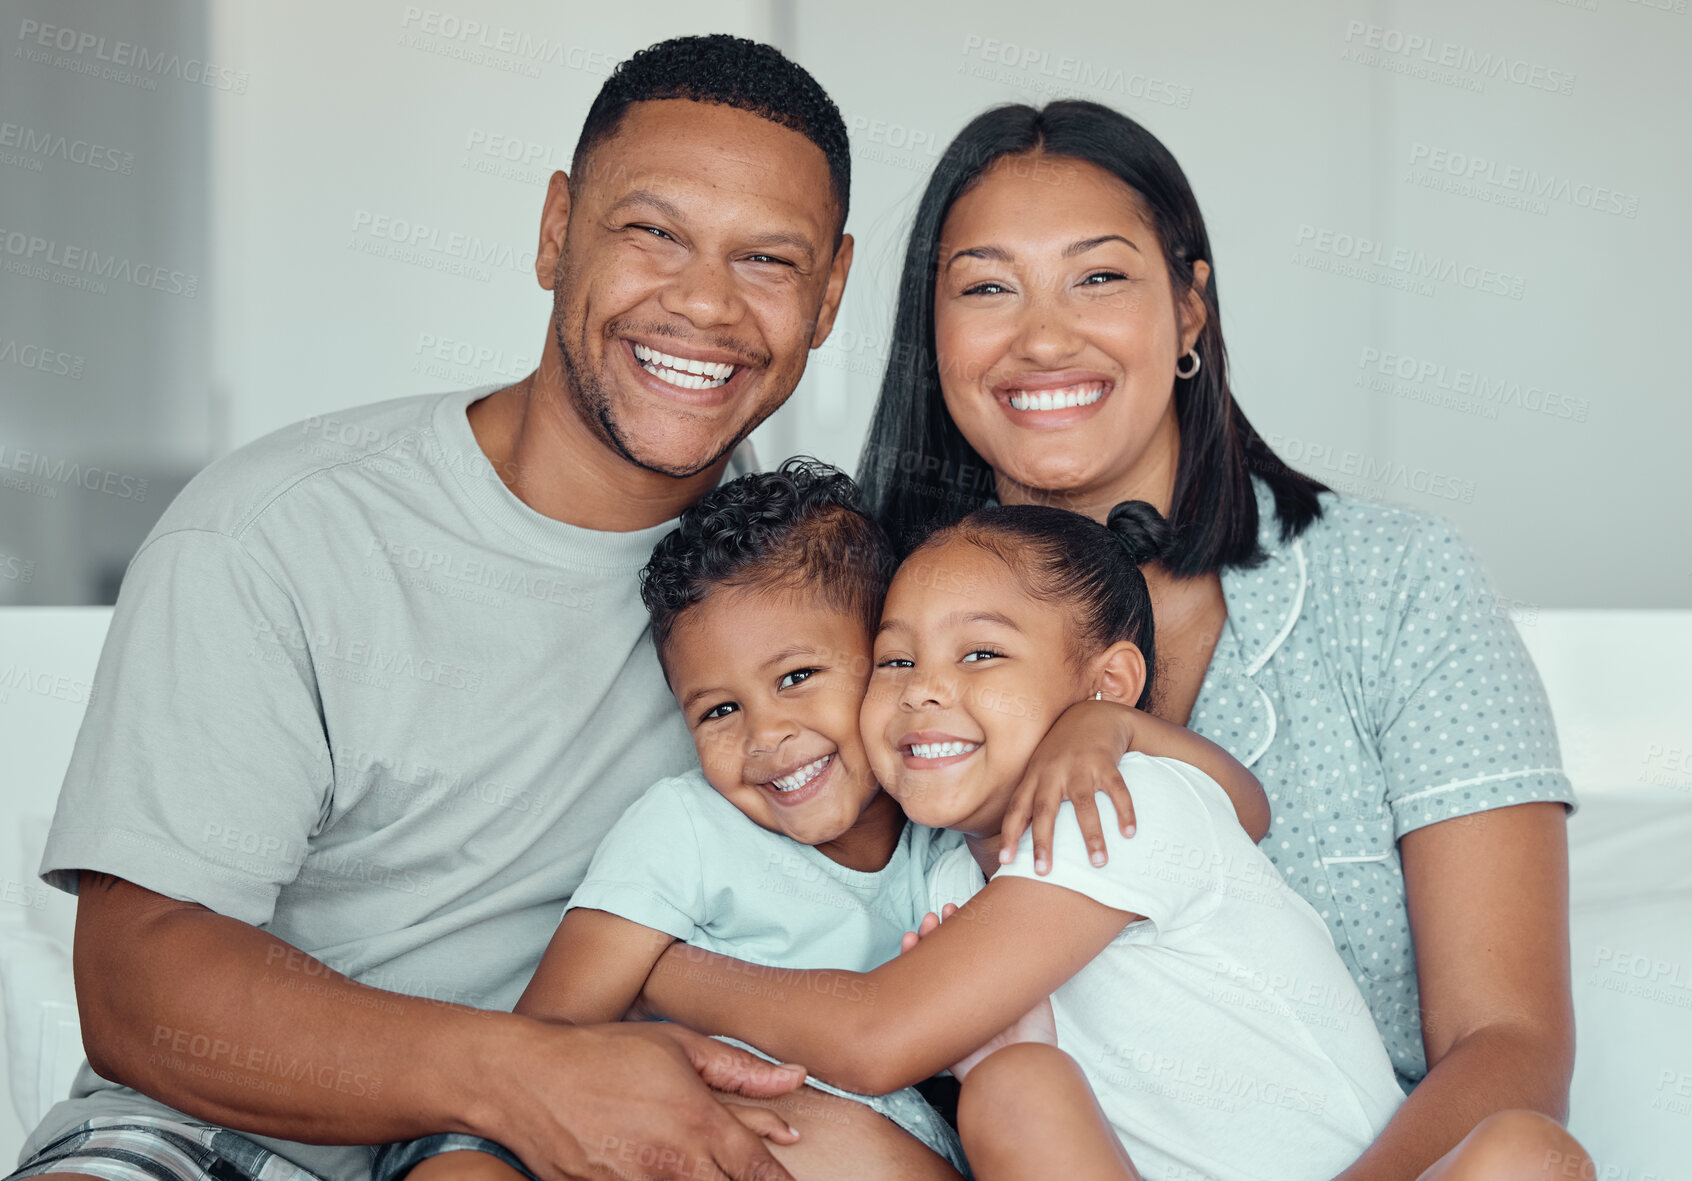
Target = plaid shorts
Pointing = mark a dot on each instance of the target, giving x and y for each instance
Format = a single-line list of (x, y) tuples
[(149, 1148)]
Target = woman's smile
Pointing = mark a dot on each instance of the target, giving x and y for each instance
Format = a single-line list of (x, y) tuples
[(1053, 399)]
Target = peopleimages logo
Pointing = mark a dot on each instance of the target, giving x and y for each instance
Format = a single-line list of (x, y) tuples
[(1412, 264), (43, 475), (45, 360), (122, 60), (1532, 185), (880, 141), (442, 356), (1462, 387), (473, 40), (511, 157), (1444, 61), (49, 145), (16, 569), (1366, 475), (435, 248), (46, 684), (514, 149), (32, 255), (1039, 69)]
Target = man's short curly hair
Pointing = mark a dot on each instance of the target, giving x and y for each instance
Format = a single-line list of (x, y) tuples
[(732, 71), (799, 528)]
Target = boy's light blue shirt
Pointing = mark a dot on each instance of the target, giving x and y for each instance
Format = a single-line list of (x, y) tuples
[(685, 861)]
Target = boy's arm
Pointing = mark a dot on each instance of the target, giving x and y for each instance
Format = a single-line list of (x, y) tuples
[(593, 968), (1078, 758), (874, 1032)]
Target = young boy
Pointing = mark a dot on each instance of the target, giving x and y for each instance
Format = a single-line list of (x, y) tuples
[(764, 605)]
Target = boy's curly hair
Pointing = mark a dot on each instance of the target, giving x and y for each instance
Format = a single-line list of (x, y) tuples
[(799, 528)]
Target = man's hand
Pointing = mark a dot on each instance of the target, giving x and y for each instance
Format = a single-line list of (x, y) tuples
[(723, 1067), (607, 1101), (163, 985)]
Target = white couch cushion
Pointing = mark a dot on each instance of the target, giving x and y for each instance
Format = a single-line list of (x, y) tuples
[(1630, 934), (43, 1035)]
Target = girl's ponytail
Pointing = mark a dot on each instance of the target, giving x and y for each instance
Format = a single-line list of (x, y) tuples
[(1142, 530)]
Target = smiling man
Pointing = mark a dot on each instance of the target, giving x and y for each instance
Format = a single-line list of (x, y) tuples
[(376, 686)]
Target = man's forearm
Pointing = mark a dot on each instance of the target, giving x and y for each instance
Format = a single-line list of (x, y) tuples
[(231, 1025), (1491, 1070)]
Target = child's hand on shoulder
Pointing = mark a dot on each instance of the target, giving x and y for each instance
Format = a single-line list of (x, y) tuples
[(1075, 761), (1036, 1025)]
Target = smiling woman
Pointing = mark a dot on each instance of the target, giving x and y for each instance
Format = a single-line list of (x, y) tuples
[(1058, 326), (1038, 231)]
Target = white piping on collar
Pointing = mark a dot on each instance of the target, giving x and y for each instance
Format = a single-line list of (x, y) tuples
[(1274, 645), (1291, 619), (1356, 860), (1268, 708)]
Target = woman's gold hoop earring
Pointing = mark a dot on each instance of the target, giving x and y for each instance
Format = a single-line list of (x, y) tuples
[(1192, 355)]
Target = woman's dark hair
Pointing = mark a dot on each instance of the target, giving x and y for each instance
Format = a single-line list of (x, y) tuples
[(919, 472), (1068, 558), (800, 527), (720, 68)]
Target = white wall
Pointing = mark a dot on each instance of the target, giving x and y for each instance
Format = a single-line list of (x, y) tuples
[(393, 112), (1571, 491), (1277, 132)]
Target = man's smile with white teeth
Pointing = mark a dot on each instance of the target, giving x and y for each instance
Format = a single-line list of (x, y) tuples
[(802, 776), (1069, 396), (942, 750), (682, 372)]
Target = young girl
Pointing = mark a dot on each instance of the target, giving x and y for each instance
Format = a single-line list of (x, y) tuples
[(1200, 997)]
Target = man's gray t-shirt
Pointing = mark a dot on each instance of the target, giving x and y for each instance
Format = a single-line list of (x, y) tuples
[(358, 694)]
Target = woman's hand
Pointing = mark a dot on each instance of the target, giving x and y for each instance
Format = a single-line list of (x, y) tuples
[(1036, 1025), (1075, 761)]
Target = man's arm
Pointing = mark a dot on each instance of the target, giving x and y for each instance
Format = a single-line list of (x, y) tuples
[(233, 1026), (874, 1032), (1489, 913)]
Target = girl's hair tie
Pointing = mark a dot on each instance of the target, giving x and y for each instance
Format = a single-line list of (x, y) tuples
[(1142, 531)]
